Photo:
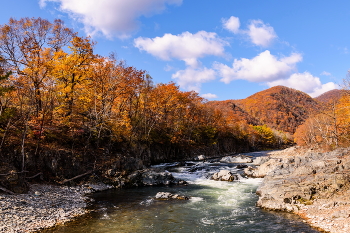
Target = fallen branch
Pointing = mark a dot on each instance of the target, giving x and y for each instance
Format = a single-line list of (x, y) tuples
[(76, 177), (11, 173), (7, 191), (31, 177)]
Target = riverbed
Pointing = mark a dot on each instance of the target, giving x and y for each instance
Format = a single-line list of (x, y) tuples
[(214, 206)]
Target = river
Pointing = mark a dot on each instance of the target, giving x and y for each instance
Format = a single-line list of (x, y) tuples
[(214, 206)]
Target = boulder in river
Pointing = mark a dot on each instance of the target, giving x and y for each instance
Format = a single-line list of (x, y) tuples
[(224, 175), (260, 160), (150, 177), (199, 158), (169, 196), (263, 169), (236, 159)]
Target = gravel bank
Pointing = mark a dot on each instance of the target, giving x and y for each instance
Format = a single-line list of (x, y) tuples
[(44, 206)]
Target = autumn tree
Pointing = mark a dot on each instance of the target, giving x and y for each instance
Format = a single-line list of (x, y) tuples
[(327, 129), (72, 74), (28, 46)]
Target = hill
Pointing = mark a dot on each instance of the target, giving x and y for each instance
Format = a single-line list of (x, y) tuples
[(234, 113), (278, 107), (330, 96)]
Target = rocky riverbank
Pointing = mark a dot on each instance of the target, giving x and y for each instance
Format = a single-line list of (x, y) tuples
[(45, 206), (312, 184)]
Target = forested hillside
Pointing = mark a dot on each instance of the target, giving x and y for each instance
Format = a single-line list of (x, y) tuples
[(330, 96), (329, 128), (279, 107)]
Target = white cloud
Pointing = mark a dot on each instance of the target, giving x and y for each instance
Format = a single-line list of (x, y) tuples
[(113, 18), (209, 96), (261, 34), (325, 73), (187, 47), (191, 78), (263, 68), (305, 82), (232, 24), (324, 88)]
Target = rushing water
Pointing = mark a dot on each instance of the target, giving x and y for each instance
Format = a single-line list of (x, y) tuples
[(214, 206)]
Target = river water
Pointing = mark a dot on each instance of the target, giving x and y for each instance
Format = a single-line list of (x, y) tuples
[(214, 206)]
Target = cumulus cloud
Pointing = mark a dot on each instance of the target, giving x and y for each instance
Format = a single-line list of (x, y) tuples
[(232, 24), (305, 82), (263, 68), (113, 18), (187, 47), (192, 78), (261, 34), (209, 96)]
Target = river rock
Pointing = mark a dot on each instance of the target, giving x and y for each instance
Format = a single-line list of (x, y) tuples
[(236, 159), (264, 169), (149, 177), (313, 185), (224, 175), (199, 158), (260, 160), (168, 196)]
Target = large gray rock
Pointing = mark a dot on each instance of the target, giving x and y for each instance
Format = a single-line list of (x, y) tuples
[(264, 169), (314, 185), (225, 175), (145, 177), (199, 158), (168, 196), (149, 177), (236, 159), (260, 160)]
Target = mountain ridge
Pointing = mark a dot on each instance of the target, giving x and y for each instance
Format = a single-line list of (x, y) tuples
[(279, 107)]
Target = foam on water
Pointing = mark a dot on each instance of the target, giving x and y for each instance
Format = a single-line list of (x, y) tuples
[(196, 199), (147, 202)]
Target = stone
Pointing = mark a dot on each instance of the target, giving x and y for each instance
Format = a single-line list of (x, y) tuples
[(264, 169), (199, 158), (224, 175), (260, 160), (37, 193), (236, 159), (240, 166), (150, 177), (168, 196)]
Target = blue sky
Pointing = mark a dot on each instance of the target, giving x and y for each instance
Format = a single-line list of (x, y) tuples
[(226, 49)]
